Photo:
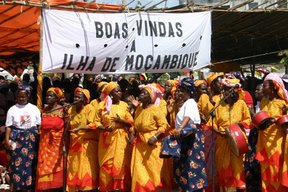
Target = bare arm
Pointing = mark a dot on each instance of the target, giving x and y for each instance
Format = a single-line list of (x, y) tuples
[(7, 137)]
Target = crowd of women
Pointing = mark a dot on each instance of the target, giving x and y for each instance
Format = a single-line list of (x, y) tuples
[(149, 137)]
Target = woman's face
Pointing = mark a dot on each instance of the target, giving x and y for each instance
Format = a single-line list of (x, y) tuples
[(167, 87), (116, 93), (259, 92), (202, 89), (267, 89), (181, 95), (22, 98), (51, 98), (79, 96), (144, 96), (216, 85)]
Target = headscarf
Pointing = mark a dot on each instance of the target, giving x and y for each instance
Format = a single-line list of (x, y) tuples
[(174, 84), (198, 82), (154, 93), (85, 92), (101, 84), (159, 87), (26, 88), (238, 75), (278, 85), (187, 84), (213, 76), (57, 91), (232, 83), (105, 95)]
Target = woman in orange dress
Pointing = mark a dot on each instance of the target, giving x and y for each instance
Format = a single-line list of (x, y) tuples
[(149, 123), (50, 154), (114, 120), (229, 166), (269, 148), (81, 166)]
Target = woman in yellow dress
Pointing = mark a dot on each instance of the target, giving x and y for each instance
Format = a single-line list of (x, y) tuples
[(269, 148), (81, 166), (50, 154), (229, 167), (114, 120), (149, 123)]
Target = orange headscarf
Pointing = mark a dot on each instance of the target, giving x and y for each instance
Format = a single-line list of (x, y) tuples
[(105, 95), (174, 84), (212, 77), (85, 92), (101, 84), (198, 82), (57, 91)]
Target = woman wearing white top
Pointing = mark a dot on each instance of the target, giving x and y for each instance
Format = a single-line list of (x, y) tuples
[(21, 137), (189, 169)]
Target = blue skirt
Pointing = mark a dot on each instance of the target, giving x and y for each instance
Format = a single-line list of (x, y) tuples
[(23, 158)]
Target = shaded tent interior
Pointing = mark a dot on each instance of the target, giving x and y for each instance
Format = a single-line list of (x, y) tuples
[(244, 37)]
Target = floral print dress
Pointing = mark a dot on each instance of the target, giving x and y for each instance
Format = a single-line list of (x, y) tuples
[(23, 158), (189, 169)]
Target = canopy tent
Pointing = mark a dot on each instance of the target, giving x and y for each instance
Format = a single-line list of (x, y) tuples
[(20, 29)]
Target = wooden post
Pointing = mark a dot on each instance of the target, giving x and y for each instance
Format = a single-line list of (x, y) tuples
[(40, 77)]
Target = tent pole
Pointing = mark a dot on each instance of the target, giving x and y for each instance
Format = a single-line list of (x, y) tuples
[(40, 77)]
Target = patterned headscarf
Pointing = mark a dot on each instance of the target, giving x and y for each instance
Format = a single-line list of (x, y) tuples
[(278, 85), (85, 92), (174, 84), (213, 76), (26, 88), (188, 85), (154, 93), (57, 91), (198, 82), (105, 95), (233, 82)]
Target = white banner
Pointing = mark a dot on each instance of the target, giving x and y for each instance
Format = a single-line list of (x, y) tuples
[(125, 42)]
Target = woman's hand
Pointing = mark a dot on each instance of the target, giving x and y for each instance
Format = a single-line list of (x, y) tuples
[(8, 145), (152, 140), (134, 101), (221, 133), (177, 132), (116, 119), (110, 128)]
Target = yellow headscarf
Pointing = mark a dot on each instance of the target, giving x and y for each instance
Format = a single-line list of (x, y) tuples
[(174, 84), (212, 77), (109, 87), (198, 82), (101, 84), (57, 91), (85, 92), (105, 95)]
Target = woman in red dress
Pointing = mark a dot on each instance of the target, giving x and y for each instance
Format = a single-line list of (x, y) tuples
[(50, 159)]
